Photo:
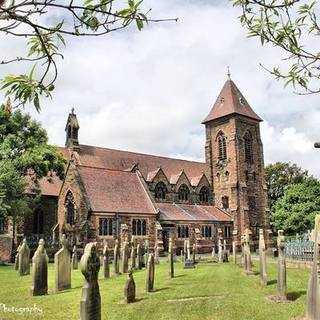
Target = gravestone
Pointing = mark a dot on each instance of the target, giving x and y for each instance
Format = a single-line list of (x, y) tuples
[(116, 257), (150, 273), (220, 248), (194, 249), (133, 257), (90, 304), (262, 258), (105, 263), (247, 264), (185, 250), (146, 252), (313, 293), (139, 256), (282, 272), (62, 267), (130, 288), (40, 271), (74, 258), (234, 252), (24, 259), (125, 257), (188, 250), (16, 259), (156, 254), (171, 259)]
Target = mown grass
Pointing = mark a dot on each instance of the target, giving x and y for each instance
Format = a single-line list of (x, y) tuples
[(211, 291)]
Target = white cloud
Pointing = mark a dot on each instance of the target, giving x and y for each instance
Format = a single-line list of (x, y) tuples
[(149, 91)]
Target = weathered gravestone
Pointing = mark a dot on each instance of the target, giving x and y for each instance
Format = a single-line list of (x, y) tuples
[(146, 252), (171, 259), (313, 294), (105, 262), (139, 256), (125, 257), (150, 273), (234, 252), (90, 304), (262, 258), (194, 251), (24, 259), (156, 254), (16, 258), (185, 250), (130, 288), (247, 253), (62, 266), (282, 272), (133, 255), (40, 271), (116, 257), (74, 258), (188, 250)]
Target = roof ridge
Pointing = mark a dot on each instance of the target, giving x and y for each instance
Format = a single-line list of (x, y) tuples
[(103, 168)]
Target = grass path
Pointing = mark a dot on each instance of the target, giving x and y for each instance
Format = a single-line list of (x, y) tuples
[(211, 291)]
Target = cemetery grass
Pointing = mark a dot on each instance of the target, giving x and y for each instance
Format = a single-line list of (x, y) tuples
[(211, 291)]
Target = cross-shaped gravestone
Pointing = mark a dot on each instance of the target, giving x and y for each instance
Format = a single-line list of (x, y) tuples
[(62, 266)]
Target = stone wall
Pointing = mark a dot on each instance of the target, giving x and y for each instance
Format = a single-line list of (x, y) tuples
[(5, 247)]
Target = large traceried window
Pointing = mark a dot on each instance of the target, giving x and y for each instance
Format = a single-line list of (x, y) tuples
[(248, 147), (183, 231), (139, 227), (183, 193), (70, 208), (105, 227), (38, 221), (222, 145), (206, 231), (204, 194), (160, 191)]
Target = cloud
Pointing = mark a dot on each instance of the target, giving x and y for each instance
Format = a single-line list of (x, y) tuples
[(149, 91)]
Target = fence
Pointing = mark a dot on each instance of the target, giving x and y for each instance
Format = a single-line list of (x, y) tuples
[(300, 248)]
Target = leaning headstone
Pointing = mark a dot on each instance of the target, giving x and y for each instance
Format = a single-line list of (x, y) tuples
[(150, 273), (24, 259), (105, 263), (133, 257), (116, 257), (262, 258), (125, 257), (139, 256), (313, 294), (40, 271), (282, 272), (74, 258), (130, 289), (62, 266), (16, 259), (247, 252), (90, 304)]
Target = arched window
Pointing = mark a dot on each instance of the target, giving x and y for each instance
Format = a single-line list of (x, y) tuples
[(222, 144), (139, 227), (183, 193), (38, 221), (160, 191), (225, 202), (248, 147), (204, 194), (70, 209)]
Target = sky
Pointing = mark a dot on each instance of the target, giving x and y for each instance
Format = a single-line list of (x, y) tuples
[(149, 91)]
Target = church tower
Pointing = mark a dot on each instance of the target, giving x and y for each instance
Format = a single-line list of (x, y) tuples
[(234, 153), (72, 128)]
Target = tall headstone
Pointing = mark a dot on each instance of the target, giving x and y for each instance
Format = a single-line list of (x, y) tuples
[(234, 252), (62, 266), (171, 259), (133, 257), (116, 257), (40, 271), (220, 246), (105, 263), (188, 250), (16, 259), (24, 259), (262, 258), (139, 256), (74, 258), (194, 251), (90, 304), (313, 293), (125, 257), (247, 252), (156, 254), (150, 273), (282, 272), (185, 250), (130, 288), (146, 251)]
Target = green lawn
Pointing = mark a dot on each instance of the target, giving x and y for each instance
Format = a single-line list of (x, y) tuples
[(211, 291)]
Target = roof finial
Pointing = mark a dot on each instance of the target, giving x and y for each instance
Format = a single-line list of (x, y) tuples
[(228, 73), (72, 111)]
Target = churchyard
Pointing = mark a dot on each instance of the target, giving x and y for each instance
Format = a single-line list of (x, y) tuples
[(212, 290)]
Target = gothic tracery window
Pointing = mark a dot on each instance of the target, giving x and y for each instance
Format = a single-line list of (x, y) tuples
[(160, 191), (70, 208), (204, 194), (222, 144), (248, 147), (105, 227), (183, 193)]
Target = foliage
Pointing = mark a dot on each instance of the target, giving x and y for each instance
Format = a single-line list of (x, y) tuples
[(296, 210), (293, 26), (45, 25)]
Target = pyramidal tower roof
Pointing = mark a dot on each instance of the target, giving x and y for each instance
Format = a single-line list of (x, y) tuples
[(230, 101)]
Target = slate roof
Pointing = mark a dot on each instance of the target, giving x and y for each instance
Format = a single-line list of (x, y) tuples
[(115, 191), (230, 101)]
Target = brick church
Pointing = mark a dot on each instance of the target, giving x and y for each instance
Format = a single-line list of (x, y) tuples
[(109, 194)]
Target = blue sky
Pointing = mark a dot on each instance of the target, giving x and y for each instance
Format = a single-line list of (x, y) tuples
[(149, 91)]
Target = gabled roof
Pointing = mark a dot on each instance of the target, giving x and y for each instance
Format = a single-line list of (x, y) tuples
[(230, 101), (115, 191)]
